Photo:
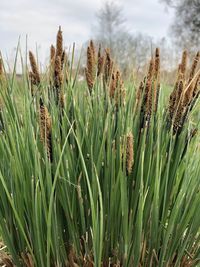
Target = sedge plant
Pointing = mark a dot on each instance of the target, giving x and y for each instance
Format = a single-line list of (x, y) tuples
[(98, 172)]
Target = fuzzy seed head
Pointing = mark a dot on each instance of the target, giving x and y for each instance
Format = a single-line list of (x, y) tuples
[(90, 69), (34, 68), (183, 65), (45, 129), (129, 153), (52, 53), (100, 63), (58, 73), (108, 66), (59, 43)]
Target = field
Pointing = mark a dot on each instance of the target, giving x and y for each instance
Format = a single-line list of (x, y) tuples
[(99, 172)]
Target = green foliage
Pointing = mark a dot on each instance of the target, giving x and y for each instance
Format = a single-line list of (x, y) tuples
[(83, 206)]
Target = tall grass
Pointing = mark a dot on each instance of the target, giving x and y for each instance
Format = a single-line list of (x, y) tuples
[(99, 173)]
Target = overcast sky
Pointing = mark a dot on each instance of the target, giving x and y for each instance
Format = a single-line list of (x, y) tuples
[(39, 19)]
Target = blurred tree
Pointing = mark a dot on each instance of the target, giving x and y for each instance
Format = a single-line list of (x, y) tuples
[(110, 26), (186, 25), (110, 30)]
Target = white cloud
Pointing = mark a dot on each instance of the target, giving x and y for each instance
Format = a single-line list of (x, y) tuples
[(40, 20)]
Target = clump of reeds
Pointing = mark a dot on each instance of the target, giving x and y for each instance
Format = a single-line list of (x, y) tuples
[(113, 166)]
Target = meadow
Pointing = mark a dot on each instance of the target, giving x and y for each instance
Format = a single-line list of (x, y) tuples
[(99, 172)]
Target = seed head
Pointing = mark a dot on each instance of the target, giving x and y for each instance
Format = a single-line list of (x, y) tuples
[(129, 153), (63, 59), (90, 69), (156, 78), (58, 73), (194, 66), (108, 66), (113, 85), (59, 43), (45, 129), (183, 65), (52, 53), (100, 63), (34, 68), (147, 101)]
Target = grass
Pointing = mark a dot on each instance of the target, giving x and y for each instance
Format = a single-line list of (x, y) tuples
[(76, 191)]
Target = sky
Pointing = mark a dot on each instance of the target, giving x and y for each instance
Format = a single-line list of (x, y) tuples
[(39, 20)]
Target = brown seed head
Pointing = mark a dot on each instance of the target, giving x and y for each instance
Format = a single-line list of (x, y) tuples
[(113, 85), (178, 120), (120, 94), (100, 63), (129, 153), (156, 78), (52, 53), (59, 43), (183, 65), (45, 129), (63, 59), (139, 94), (191, 87), (157, 63), (108, 66), (62, 99), (147, 100), (194, 66), (58, 73), (34, 68), (90, 69), (92, 48), (32, 82)]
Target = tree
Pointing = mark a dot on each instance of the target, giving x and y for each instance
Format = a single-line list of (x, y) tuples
[(127, 49), (110, 26), (186, 25)]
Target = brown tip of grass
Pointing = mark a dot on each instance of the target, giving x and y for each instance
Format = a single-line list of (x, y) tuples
[(91, 68), (194, 66), (147, 101), (59, 43), (52, 52), (58, 73), (113, 85), (45, 129), (108, 66), (100, 62), (183, 65), (63, 59), (34, 68), (129, 153)]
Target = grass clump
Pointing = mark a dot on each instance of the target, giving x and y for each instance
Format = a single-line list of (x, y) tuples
[(98, 173)]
